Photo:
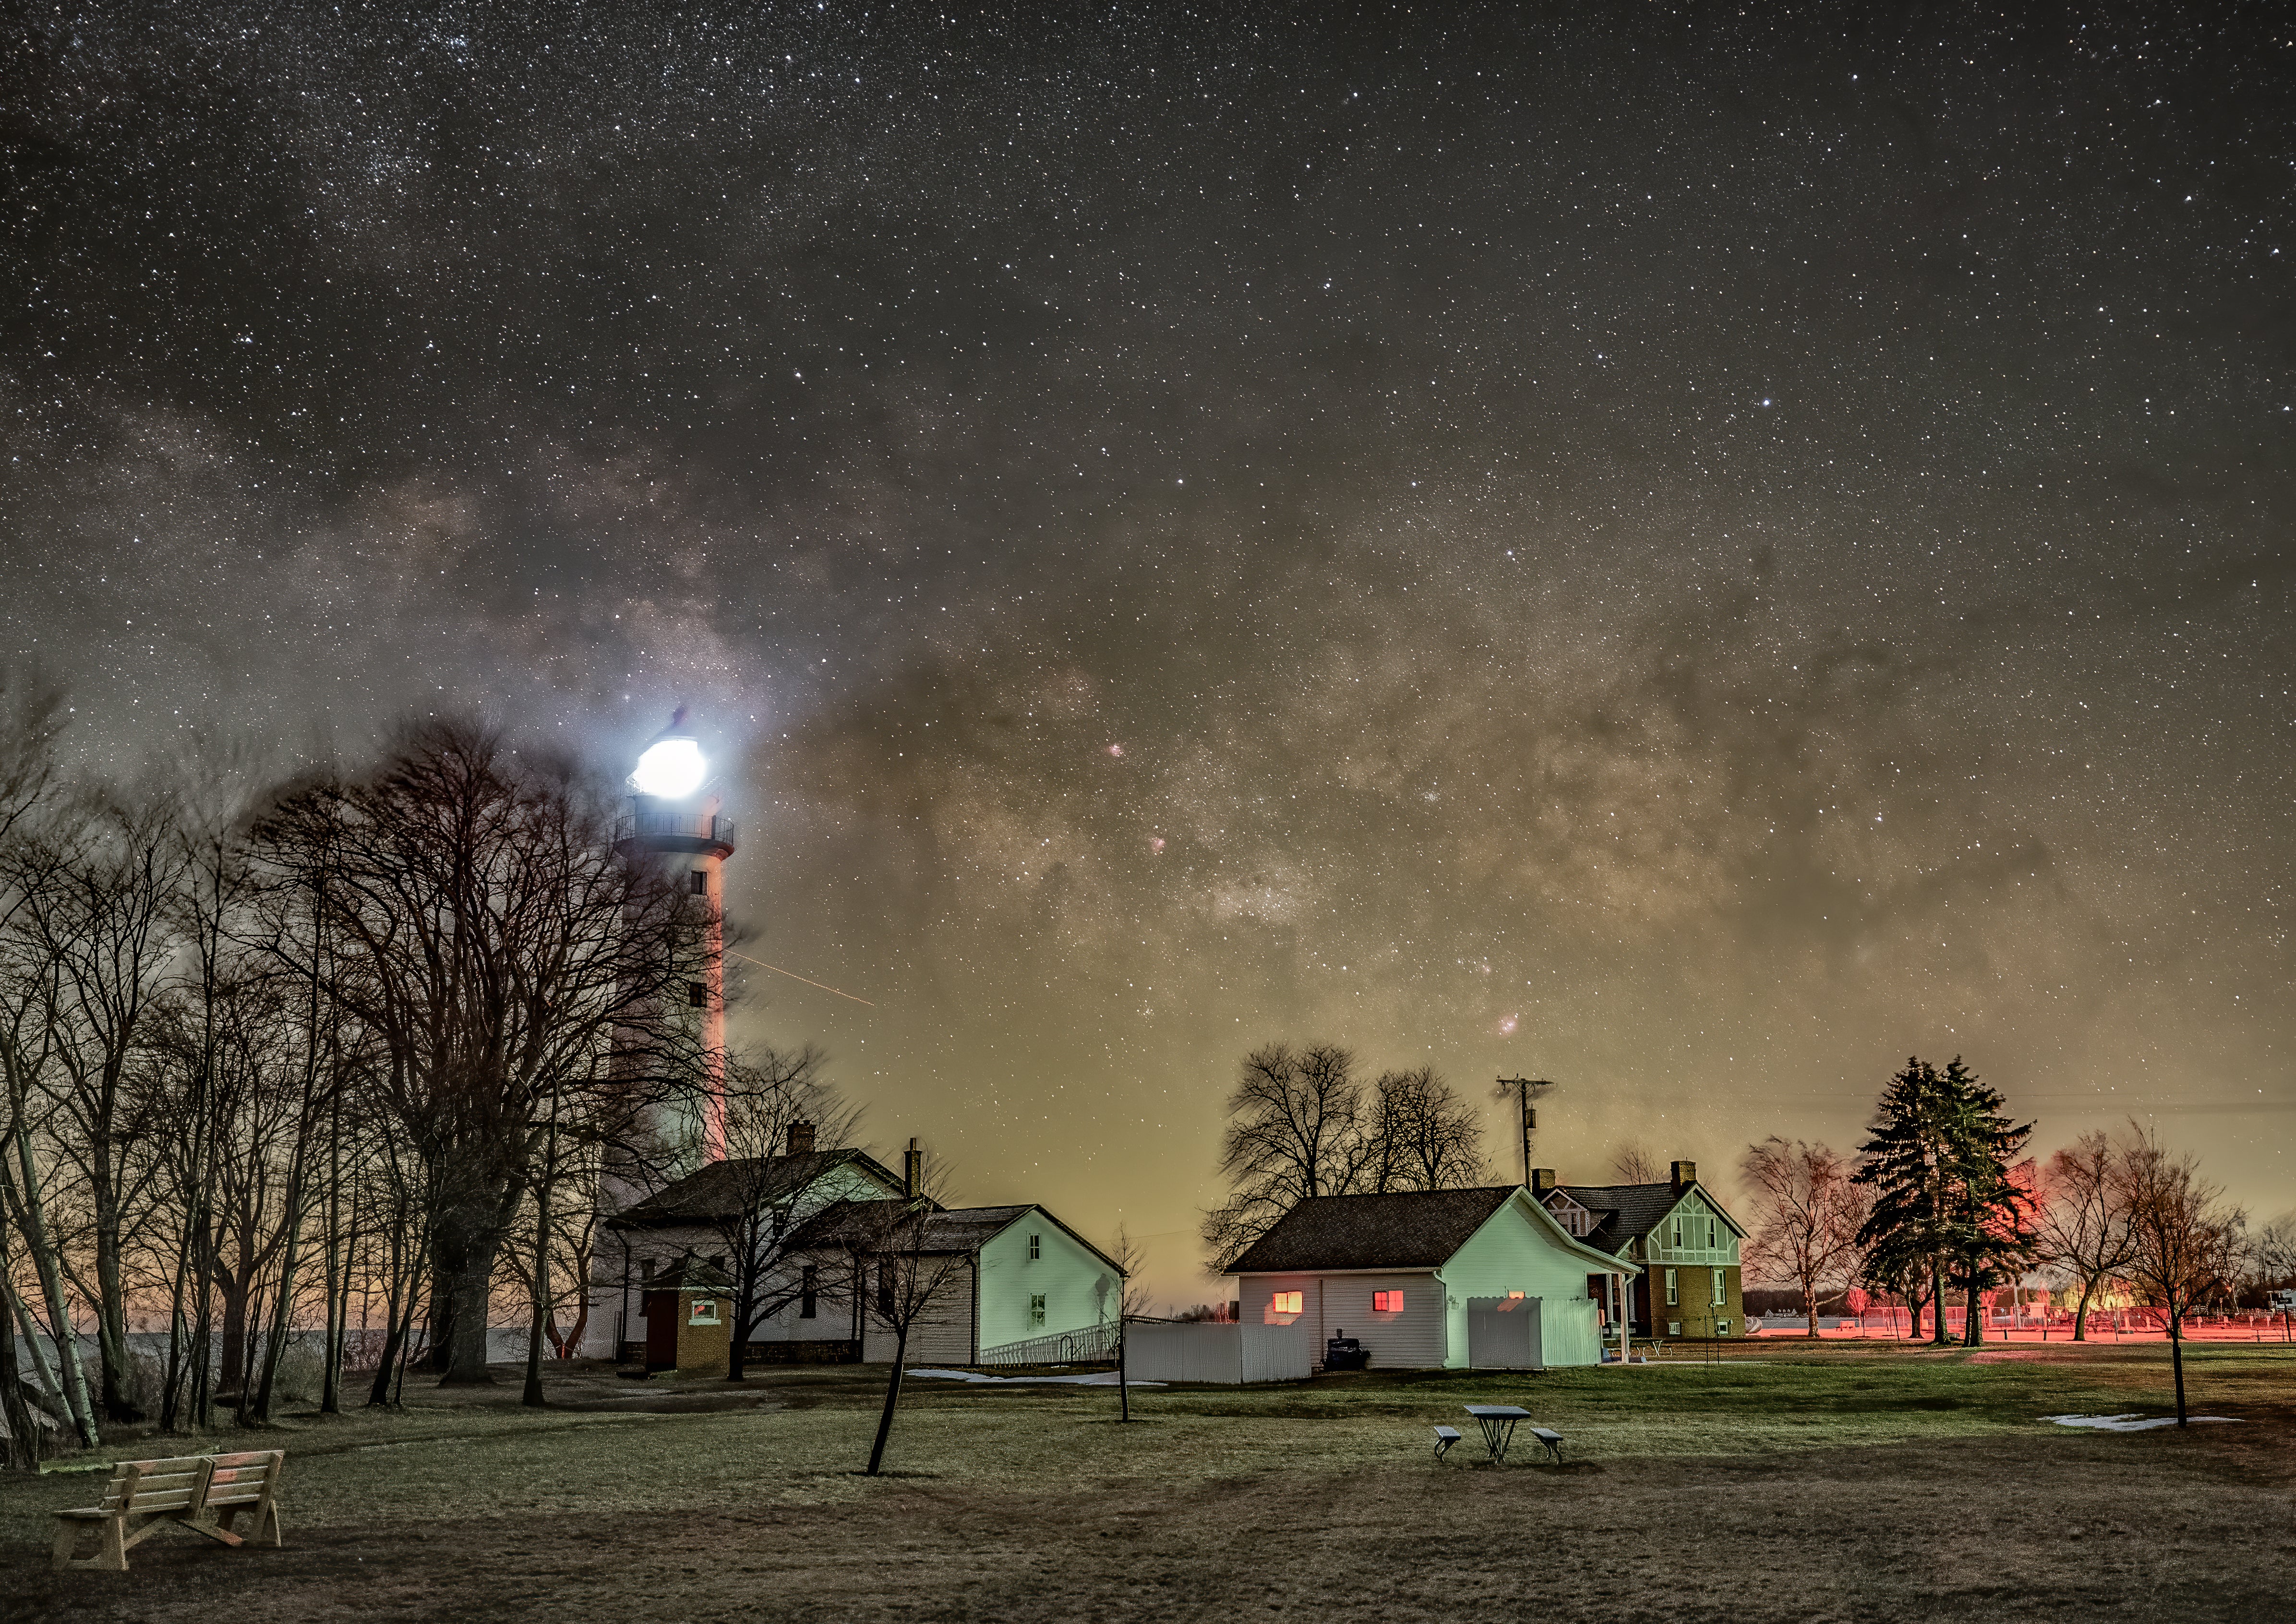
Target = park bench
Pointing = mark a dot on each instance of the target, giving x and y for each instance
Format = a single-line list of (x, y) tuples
[(205, 1493), (1445, 1437)]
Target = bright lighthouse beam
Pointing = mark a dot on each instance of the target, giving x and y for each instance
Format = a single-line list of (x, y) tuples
[(671, 769)]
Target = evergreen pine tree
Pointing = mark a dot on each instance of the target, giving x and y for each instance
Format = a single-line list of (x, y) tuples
[(1906, 1158), (1986, 1215)]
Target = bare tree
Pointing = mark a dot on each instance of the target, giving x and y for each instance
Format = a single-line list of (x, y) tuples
[(1633, 1164), (906, 1274), (785, 1131), (1300, 1125), (2082, 1223), (2186, 1241), (1422, 1136), (484, 927), (2273, 1253), (1807, 1212), (1293, 1132)]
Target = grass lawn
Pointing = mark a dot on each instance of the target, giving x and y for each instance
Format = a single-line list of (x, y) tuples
[(1851, 1480)]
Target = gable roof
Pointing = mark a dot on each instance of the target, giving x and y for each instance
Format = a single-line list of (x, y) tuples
[(1628, 1212), (1407, 1230), (959, 1231), (715, 1191)]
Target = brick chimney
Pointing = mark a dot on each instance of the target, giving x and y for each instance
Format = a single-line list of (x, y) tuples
[(1685, 1173), (913, 1172), (800, 1138), (1542, 1181)]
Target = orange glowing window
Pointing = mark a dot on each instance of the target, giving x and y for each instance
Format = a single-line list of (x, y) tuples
[(1387, 1302), (1515, 1296), (1291, 1303)]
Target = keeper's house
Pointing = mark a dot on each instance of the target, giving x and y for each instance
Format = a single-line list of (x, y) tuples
[(1397, 1272), (1686, 1245)]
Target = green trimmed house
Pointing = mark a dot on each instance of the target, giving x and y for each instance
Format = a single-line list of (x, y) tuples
[(1404, 1273), (1685, 1244)]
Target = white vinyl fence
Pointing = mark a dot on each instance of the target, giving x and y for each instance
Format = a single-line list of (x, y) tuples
[(1226, 1354)]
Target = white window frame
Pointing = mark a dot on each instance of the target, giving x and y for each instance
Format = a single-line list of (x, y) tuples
[(1036, 1247), (1673, 1290), (1721, 1291), (1036, 1309)]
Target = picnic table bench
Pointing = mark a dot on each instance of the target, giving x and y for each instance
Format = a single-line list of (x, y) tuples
[(1498, 1422), (205, 1493)]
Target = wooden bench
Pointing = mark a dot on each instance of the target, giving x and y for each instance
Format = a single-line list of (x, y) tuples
[(207, 1494)]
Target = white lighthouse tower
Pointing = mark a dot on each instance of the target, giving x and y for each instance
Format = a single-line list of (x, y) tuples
[(674, 817)]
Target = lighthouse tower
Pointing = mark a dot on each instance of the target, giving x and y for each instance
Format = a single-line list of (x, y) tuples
[(673, 820), (674, 817)]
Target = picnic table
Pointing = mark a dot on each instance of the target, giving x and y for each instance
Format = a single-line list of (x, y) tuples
[(1497, 1422)]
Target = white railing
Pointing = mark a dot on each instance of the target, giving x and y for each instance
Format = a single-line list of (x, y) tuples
[(1094, 1344)]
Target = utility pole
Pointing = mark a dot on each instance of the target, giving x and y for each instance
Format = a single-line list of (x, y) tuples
[(1526, 1089)]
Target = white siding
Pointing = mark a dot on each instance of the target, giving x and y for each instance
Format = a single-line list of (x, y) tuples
[(1517, 1249), (942, 1335), (1341, 1305), (1079, 1289)]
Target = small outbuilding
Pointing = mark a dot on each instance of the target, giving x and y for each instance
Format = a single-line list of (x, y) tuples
[(1398, 1273)]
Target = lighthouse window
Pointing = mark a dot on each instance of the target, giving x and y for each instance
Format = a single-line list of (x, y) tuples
[(699, 882), (697, 995)]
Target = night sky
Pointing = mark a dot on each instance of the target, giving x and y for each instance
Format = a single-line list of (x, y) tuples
[(1689, 556)]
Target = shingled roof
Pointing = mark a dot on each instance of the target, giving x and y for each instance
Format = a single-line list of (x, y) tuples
[(1409, 1230), (1626, 1213), (715, 1191), (959, 1231)]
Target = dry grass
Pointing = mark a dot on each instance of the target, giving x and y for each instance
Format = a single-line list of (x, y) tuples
[(1836, 1481)]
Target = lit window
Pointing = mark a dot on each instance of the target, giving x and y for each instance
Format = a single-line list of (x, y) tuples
[(1515, 1296), (1036, 1310), (1291, 1303), (1387, 1302), (1673, 1290), (1719, 1297), (705, 1311), (1036, 1247)]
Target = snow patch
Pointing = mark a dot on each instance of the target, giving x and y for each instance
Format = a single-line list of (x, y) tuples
[(1100, 1378), (2133, 1423)]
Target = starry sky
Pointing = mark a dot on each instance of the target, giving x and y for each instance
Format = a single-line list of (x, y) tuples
[(1690, 555)]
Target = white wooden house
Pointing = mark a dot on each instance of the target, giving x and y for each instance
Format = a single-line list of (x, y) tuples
[(1398, 1272), (685, 1219), (1019, 1286)]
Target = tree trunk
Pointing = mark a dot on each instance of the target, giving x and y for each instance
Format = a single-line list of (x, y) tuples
[(532, 1397), (110, 1303), (737, 1350), (275, 1343), (464, 1253), (2080, 1313), (892, 1396), (233, 1376), (1809, 1305), (2177, 1357), (52, 1287), (1972, 1315), (1937, 1336)]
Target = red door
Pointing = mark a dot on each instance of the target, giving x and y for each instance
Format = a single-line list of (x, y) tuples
[(661, 1329)]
